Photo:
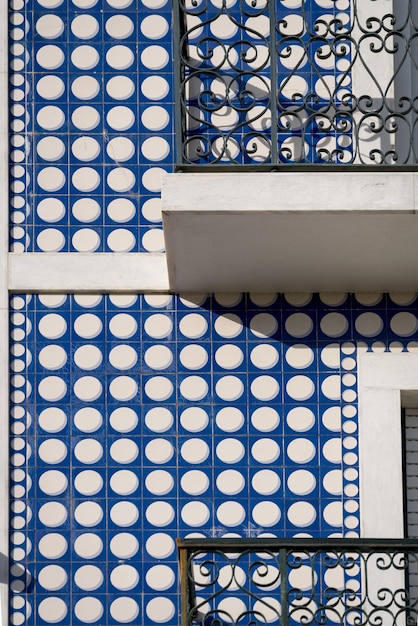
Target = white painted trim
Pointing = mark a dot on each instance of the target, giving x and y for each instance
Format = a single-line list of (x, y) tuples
[(4, 318), (75, 272), (383, 380)]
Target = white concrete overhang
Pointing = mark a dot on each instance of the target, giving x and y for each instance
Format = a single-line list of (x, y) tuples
[(291, 231)]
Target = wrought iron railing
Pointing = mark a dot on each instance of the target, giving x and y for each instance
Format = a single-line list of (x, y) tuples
[(254, 582), (297, 82)]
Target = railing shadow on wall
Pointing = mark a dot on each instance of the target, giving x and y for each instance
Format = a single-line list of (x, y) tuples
[(333, 581), (264, 83)]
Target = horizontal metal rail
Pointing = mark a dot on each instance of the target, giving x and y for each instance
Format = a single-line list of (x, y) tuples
[(271, 82), (257, 581)]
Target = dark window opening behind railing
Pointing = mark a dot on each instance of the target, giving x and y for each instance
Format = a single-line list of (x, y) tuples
[(297, 82), (294, 582)]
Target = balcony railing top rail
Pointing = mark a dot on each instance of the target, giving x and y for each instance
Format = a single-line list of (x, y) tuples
[(262, 83), (350, 582)]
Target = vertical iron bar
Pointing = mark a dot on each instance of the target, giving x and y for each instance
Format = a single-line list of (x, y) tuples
[(273, 82), (178, 19), (184, 583), (283, 587)]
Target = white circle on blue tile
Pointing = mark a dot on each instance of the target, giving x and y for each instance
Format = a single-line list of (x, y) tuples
[(53, 482), (160, 577), (194, 450), (230, 513), (331, 418), (160, 545), (152, 178), (51, 210), (331, 387), (334, 324), (121, 210), (266, 513), (85, 117), (52, 610), (265, 387), (195, 514), (230, 450), (124, 451), (84, 26), (301, 450), (88, 545), (300, 419), (265, 419), (50, 240), (301, 482), (194, 482), (53, 514), (88, 419), (158, 326), (52, 420), (330, 355), (230, 419), (51, 179), (158, 357), (333, 514), (264, 356), (265, 482), (229, 356), (368, 299), (404, 324), (301, 514), (229, 388), (85, 87), (52, 545), (159, 388), (88, 609), (265, 450), (193, 325), (52, 451), (230, 482), (49, 26), (88, 451), (120, 57), (193, 356), (85, 149), (119, 26), (120, 118), (88, 482), (120, 149), (123, 388), (159, 451), (88, 357), (158, 482), (124, 545), (194, 419), (124, 482), (159, 419), (85, 179), (333, 482), (194, 388), (263, 325), (160, 513), (154, 57), (299, 356), (88, 325), (332, 450), (85, 57), (123, 326), (88, 388), (124, 514), (50, 148), (124, 577), (155, 118), (300, 387), (123, 357), (231, 609), (88, 577), (124, 609), (160, 609), (369, 324), (299, 325), (120, 87), (52, 577)]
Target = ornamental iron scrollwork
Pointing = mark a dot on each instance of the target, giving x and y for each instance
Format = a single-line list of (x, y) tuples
[(254, 582), (270, 82)]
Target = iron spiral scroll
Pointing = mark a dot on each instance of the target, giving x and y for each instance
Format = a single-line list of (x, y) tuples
[(297, 82)]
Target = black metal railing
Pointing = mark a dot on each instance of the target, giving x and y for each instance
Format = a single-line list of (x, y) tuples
[(254, 582), (283, 82)]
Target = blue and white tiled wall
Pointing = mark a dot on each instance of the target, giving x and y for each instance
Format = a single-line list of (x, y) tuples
[(138, 419)]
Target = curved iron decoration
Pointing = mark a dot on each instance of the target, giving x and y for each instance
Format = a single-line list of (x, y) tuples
[(271, 82)]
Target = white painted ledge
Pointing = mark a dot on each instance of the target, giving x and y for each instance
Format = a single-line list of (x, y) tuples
[(80, 272), (385, 383), (291, 231)]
